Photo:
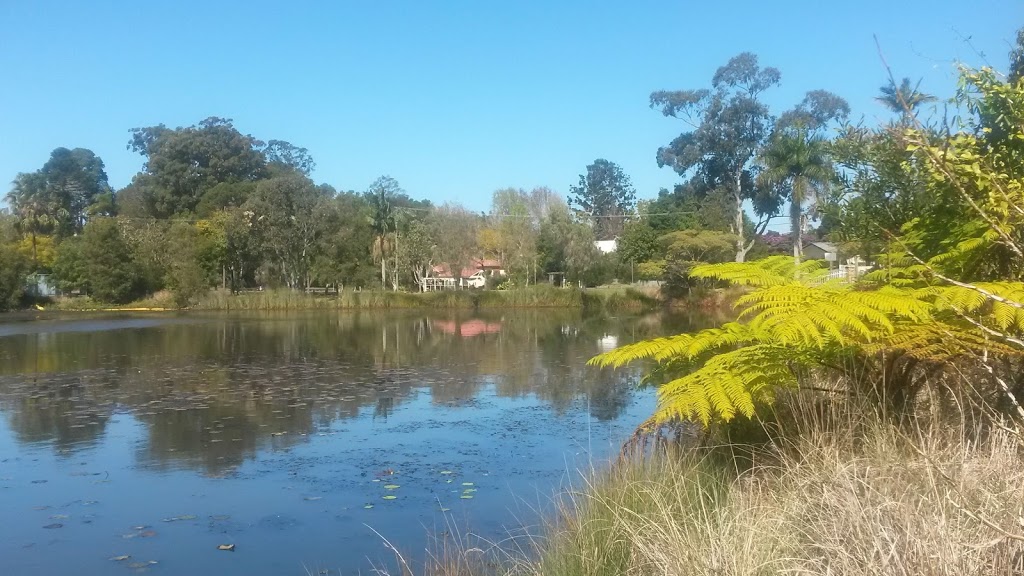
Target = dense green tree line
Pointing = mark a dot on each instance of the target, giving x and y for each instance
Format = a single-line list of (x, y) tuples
[(213, 207)]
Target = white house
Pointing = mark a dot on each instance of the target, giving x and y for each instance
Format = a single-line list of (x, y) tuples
[(473, 276)]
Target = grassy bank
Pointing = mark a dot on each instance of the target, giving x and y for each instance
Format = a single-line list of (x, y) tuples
[(611, 299), (847, 495)]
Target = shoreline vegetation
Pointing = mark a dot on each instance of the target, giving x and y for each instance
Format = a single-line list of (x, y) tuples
[(831, 489), (609, 298)]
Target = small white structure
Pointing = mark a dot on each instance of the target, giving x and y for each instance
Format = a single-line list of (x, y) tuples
[(607, 246)]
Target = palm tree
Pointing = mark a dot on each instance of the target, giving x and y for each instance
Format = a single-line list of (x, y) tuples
[(382, 221), (798, 161), (33, 206), (904, 99)]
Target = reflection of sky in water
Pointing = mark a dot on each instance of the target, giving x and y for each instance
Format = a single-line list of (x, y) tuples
[(271, 430)]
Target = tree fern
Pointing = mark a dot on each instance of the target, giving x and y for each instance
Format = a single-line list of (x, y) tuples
[(788, 325)]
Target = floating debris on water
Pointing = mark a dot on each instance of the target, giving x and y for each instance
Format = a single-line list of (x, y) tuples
[(226, 547), (180, 518)]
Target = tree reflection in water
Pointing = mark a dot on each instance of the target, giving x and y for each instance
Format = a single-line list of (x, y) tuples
[(212, 390)]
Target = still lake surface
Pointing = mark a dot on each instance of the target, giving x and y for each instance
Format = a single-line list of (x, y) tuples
[(303, 439)]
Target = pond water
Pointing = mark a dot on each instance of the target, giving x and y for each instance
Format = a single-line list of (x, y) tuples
[(141, 443)]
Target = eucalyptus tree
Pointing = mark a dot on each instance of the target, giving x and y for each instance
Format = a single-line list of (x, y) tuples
[(729, 125)]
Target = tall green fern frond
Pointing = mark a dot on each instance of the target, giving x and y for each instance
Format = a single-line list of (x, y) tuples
[(728, 384), (995, 304), (940, 343), (772, 271), (684, 346)]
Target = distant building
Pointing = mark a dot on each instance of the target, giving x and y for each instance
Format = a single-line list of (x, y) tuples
[(40, 286), (607, 246), (821, 251), (473, 276)]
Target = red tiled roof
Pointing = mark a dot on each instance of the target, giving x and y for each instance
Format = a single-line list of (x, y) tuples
[(442, 270)]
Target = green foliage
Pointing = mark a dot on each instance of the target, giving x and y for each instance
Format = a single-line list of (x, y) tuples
[(14, 267), (59, 197), (651, 270), (184, 164), (904, 99), (111, 273), (796, 163), (605, 195), (186, 278), (687, 248), (638, 243), (69, 266), (791, 325), (516, 232), (731, 124)]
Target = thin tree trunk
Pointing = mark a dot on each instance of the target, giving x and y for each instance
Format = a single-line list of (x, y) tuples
[(383, 266), (394, 281), (797, 232), (741, 242), (35, 253)]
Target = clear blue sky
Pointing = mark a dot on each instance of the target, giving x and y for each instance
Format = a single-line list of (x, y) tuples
[(454, 99)]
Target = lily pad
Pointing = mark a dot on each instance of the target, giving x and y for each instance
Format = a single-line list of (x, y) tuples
[(466, 496), (368, 506), (389, 497), (226, 547), (443, 509), (446, 472), (467, 483), (391, 486)]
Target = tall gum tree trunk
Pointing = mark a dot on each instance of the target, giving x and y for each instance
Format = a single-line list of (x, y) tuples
[(741, 242)]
